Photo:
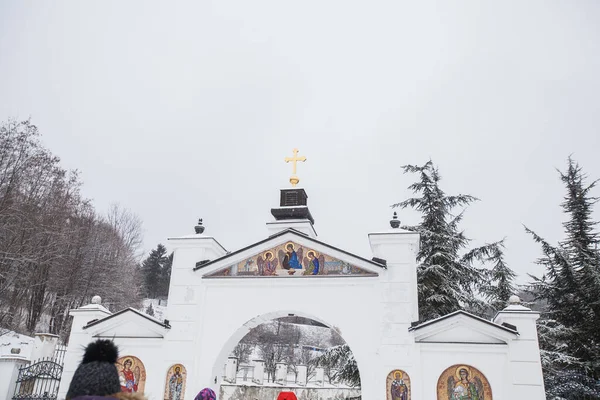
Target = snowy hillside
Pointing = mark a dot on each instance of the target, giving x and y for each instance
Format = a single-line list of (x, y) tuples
[(155, 307)]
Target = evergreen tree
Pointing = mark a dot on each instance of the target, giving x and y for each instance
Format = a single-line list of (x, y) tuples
[(154, 269), (500, 280), (581, 248), (340, 361), (165, 276), (569, 329), (447, 278), (150, 310)]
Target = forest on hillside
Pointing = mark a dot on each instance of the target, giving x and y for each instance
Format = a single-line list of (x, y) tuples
[(56, 250)]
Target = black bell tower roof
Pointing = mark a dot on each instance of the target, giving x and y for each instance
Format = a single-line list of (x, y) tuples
[(292, 205)]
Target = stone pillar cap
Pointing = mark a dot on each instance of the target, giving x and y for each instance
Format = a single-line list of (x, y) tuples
[(514, 304)]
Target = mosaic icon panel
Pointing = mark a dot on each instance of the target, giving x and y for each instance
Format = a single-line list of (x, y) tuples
[(291, 260)]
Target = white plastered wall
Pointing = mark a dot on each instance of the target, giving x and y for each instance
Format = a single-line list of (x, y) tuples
[(208, 316)]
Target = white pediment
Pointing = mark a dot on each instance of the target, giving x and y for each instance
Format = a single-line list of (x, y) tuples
[(128, 323), (460, 334), (289, 255), (462, 327)]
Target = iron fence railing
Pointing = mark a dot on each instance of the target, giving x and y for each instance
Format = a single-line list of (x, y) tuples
[(41, 379)]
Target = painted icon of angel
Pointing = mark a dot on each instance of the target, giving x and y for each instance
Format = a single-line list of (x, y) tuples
[(290, 258), (464, 387), (267, 264), (137, 373), (313, 263), (129, 379)]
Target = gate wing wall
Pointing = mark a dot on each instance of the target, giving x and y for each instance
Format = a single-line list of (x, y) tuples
[(41, 379)]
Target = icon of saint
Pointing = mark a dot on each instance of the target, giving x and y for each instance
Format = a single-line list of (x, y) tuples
[(466, 388), (267, 264), (291, 259), (313, 263), (176, 385), (129, 382), (399, 390)]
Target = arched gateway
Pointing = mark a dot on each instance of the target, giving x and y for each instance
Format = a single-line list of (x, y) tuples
[(217, 296)]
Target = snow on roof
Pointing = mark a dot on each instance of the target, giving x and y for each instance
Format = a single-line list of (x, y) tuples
[(11, 340), (465, 313), (164, 324)]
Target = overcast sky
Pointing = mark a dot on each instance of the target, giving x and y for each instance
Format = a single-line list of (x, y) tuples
[(179, 110)]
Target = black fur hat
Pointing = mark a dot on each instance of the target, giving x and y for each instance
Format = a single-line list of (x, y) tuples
[(97, 374)]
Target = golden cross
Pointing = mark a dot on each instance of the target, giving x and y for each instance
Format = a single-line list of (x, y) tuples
[(294, 179)]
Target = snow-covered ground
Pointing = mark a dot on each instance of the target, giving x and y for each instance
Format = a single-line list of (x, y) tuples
[(158, 306)]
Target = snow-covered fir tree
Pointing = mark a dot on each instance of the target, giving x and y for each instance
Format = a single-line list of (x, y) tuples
[(165, 277), (447, 276), (340, 361), (569, 330), (156, 270), (150, 310), (499, 280), (581, 247)]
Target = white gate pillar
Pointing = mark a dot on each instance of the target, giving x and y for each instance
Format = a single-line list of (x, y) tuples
[(281, 373), (301, 377), (259, 372), (231, 369), (319, 376)]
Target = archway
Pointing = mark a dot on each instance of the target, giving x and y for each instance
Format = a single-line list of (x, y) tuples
[(463, 381), (286, 351)]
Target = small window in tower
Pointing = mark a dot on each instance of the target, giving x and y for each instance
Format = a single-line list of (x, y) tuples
[(291, 199)]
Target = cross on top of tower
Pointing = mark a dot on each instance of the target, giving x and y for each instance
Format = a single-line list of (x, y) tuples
[(294, 180)]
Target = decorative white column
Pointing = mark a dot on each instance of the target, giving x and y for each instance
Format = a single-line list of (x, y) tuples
[(397, 249), (301, 377), (281, 373), (319, 376), (524, 352), (79, 339), (9, 371), (259, 372), (44, 345), (190, 253), (231, 369)]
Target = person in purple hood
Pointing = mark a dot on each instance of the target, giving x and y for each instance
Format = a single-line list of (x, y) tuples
[(206, 394), (97, 377)]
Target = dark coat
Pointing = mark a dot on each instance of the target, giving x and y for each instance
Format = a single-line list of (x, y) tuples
[(117, 396)]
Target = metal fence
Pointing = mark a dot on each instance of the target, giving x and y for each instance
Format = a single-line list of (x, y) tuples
[(40, 380)]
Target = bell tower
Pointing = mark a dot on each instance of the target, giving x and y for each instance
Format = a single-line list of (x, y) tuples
[(293, 212)]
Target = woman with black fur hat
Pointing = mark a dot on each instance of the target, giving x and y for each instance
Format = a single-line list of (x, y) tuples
[(97, 377)]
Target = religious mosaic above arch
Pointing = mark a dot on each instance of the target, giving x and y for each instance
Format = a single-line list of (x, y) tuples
[(463, 382), (175, 383), (398, 385), (132, 374), (291, 260)]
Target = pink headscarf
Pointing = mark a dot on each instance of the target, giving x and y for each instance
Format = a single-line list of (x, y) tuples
[(206, 394)]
